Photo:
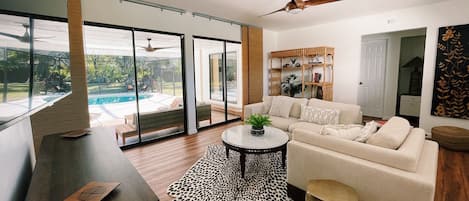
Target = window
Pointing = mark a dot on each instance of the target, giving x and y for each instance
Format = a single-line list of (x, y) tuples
[(34, 63)]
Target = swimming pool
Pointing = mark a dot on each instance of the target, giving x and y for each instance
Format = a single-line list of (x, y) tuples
[(115, 98)]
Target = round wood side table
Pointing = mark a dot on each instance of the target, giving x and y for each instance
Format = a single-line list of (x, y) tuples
[(330, 190)]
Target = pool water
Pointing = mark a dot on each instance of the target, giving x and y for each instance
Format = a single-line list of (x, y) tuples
[(109, 99)]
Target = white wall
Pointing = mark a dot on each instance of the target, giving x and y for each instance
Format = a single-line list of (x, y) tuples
[(128, 14), (345, 36), (392, 66)]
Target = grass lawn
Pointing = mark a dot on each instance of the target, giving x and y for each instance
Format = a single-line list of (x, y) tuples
[(16, 91)]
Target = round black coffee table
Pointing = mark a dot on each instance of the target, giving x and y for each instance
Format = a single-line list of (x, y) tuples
[(240, 139)]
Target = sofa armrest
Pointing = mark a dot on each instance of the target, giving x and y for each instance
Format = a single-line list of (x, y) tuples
[(256, 108)]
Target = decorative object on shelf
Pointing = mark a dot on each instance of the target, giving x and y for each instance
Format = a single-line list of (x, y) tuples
[(293, 61), (317, 77), (450, 97), (309, 60), (318, 59), (258, 121), (291, 85)]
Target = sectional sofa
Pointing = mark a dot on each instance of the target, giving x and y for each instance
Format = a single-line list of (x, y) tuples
[(397, 164), (349, 113)]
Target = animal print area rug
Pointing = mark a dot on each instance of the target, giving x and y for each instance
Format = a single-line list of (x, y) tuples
[(215, 177)]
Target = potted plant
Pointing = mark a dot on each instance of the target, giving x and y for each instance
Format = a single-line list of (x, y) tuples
[(291, 85), (258, 121)]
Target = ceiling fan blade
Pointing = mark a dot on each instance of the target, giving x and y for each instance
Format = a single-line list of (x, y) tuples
[(299, 3), (279, 10), (162, 48), (11, 35), (44, 37), (317, 2)]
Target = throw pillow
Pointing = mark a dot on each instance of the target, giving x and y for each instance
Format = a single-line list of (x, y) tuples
[(295, 111), (348, 132), (392, 134), (280, 106), (320, 116), (267, 100), (367, 131)]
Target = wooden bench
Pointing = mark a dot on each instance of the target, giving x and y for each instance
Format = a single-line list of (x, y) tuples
[(159, 120)]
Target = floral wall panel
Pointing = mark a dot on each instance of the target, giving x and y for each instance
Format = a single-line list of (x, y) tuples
[(451, 87)]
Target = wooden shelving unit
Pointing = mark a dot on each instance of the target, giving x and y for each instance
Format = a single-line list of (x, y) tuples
[(312, 60)]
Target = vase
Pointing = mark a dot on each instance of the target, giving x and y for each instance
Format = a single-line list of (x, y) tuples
[(257, 131)]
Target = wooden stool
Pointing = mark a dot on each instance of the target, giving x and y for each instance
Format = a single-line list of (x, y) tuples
[(451, 137), (329, 190)]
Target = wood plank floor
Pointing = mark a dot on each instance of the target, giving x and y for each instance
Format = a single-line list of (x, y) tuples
[(164, 162)]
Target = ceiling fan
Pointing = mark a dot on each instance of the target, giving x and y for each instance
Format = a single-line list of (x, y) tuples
[(149, 48), (296, 6), (26, 37)]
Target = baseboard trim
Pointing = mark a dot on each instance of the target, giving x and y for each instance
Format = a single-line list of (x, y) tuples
[(295, 193)]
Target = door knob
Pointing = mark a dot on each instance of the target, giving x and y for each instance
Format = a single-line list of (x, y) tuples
[(361, 83)]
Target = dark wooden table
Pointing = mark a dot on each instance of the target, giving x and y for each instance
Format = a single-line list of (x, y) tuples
[(65, 165)]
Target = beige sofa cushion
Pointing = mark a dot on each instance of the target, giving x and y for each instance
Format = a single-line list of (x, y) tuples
[(295, 111), (405, 158), (392, 134), (282, 123), (349, 113), (267, 100), (312, 127), (281, 106)]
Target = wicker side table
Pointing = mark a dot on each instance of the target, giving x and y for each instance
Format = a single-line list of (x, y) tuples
[(329, 190), (451, 137)]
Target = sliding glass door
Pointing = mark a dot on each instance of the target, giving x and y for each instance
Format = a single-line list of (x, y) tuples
[(234, 83), (159, 84), (217, 68), (134, 82), (34, 63)]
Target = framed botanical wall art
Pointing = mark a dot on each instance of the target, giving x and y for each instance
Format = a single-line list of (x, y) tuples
[(451, 86)]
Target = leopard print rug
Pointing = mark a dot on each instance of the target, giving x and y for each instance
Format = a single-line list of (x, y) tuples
[(215, 177)]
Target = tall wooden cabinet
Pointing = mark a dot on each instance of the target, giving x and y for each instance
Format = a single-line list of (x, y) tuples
[(305, 64)]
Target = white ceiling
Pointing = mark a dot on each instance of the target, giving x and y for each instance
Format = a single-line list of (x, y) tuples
[(247, 11)]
